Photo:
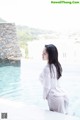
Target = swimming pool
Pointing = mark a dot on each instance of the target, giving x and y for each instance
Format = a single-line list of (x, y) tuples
[(22, 84)]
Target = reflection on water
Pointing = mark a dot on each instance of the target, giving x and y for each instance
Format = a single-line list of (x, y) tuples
[(22, 84)]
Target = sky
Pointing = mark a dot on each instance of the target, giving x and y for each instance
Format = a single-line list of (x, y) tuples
[(41, 14)]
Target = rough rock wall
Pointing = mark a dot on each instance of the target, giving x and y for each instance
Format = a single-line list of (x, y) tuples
[(9, 47)]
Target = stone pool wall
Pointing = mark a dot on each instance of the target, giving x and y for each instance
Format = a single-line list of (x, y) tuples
[(9, 48)]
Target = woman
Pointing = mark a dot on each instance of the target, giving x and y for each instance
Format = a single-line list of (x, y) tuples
[(52, 92)]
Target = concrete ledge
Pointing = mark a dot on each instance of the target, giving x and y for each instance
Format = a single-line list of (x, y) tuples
[(10, 62), (20, 111)]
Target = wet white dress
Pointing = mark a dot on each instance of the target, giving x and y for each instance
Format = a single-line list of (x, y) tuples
[(52, 92)]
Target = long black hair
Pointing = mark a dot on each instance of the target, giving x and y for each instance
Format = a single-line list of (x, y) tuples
[(53, 58)]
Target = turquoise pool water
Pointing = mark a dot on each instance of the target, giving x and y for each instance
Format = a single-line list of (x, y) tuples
[(9, 81), (22, 84)]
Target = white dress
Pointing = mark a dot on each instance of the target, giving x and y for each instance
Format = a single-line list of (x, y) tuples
[(56, 97)]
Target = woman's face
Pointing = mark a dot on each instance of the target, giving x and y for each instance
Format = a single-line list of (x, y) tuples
[(44, 55)]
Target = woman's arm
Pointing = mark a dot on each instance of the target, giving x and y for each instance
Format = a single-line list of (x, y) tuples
[(47, 78), (47, 82), (41, 77)]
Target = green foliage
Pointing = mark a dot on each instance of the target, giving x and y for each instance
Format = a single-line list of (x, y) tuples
[(26, 34), (25, 47)]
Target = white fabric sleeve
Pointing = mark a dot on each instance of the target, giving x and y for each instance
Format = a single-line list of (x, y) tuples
[(41, 77), (45, 78), (50, 77), (46, 83)]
